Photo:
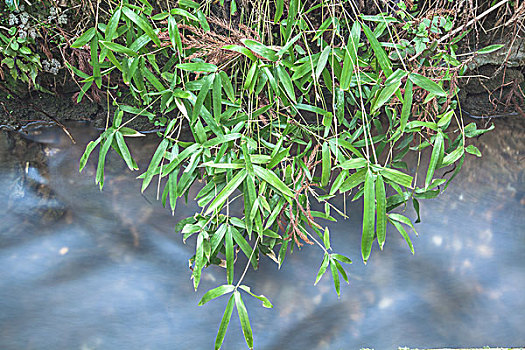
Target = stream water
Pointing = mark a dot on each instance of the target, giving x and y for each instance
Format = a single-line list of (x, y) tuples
[(84, 269)]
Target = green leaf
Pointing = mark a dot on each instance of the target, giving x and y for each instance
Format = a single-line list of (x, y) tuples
[(84, 38), (339, 180), (112, 26), (230, 258), (227, 86), (326, 164), (402, 219), (142, 24), (346, 74), (382, 58), (353, 163), (282, 252), (173, 32), (197, 67), (323, 59), (243, 317), (473, 150), (203, 22), (217, 97), (205, 89), (427, 84), (340, 269), (103, 151), (240, 49), (288, 44), (119, 48), (397, 176), (434, 159), (322, 269), (221, 139), (251, 77), (199, 261), (471, 130), (381, 211), (260, 49), (279, 6), (227, 191), (266, 303), (368, 217), (335, 276), (403, 233), (354, 180), (154, 163), (489, 49), (286, 81), (125, 151), (407, 105), (445, 119), (270, 177), (94, 61), (216, 292), (326, 238), (89, 148), (341, 258), (224, 323), (184, 13), (386, 94)]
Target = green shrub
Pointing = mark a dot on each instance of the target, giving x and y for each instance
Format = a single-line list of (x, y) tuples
[(286, 104)]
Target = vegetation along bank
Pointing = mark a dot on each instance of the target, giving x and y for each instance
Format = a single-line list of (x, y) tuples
[(281, 105)]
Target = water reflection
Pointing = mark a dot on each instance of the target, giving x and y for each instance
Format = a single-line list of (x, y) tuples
[(84, 269)]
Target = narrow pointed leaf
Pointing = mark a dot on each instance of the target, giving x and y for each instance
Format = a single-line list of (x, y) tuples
[(386, 94), (84, 38), (382, 58), (326, 164), (368, 217), (224, 323), (243, 317), (341, 258), (154, 163), (142, 24), (199, 261), (89, 148), (427, 84), (407, 105), (260, 49), (227, 191), (197, 67), (323, 59), (230, 258), (397, 176), (216, 292), (335, 276), (266, 303), (103, 151), (403, 233), (245, 246), (434, 159), (125, 151), (322, 269), (381, 211), (286, 81), (272, 179)]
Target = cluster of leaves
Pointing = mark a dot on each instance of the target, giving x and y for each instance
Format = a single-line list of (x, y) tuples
[(281, 111), (18, 61)]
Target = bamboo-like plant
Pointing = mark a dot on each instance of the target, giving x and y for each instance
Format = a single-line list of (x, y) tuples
[(286, 104)]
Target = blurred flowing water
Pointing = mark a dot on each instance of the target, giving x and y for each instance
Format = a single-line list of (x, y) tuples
[(84, 269)]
